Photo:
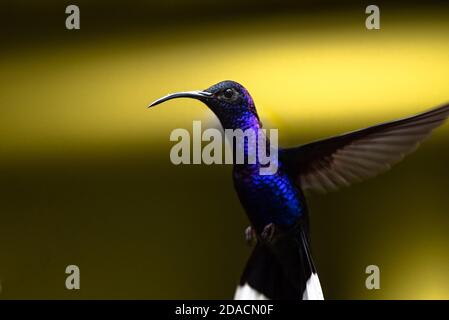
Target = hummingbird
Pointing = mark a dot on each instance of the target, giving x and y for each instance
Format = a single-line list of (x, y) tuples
[(281, 264)]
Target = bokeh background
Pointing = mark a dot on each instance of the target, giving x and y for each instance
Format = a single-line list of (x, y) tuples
[(85, 175)]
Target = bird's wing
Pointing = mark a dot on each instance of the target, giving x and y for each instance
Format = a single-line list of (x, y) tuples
[(332, 163)]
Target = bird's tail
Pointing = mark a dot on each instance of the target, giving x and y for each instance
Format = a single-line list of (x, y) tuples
[(282, 269)]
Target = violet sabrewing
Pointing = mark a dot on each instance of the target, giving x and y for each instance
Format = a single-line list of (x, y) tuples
[(281, 265)]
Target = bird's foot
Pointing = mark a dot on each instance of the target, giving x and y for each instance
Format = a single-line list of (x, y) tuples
[(250, 235), (268, 232)]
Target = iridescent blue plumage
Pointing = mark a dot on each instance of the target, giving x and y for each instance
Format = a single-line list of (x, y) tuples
[(266, 198)]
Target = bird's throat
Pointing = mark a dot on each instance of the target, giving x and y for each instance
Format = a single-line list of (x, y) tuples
[(248, 140)]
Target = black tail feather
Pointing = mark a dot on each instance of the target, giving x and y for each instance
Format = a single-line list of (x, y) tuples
[(280, 269)]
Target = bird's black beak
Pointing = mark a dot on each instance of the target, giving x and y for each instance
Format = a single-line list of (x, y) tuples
[(200, 95)]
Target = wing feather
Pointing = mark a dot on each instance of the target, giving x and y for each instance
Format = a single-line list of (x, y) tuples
[(329, 164)]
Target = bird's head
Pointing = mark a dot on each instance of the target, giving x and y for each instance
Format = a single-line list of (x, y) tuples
[(229, 100)]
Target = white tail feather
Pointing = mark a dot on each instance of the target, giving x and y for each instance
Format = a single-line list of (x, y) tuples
[(245, 292), (313, 289)]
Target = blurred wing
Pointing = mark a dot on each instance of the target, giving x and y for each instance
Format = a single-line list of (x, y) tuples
[(330, 164)]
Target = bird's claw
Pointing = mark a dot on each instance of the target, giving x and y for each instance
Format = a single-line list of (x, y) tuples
[(268, 232), (250, 235)]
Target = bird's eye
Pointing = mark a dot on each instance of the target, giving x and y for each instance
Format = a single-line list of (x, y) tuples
[(228, 93)]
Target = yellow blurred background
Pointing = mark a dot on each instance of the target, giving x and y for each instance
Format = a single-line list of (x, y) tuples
[(85, 172)]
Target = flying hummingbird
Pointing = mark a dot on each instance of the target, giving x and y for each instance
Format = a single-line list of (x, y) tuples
[(281, 264)]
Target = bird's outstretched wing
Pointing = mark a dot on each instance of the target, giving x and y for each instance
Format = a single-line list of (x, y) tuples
[(332, 163)]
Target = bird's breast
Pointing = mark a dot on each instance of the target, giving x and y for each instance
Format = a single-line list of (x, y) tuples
[(268, 198)]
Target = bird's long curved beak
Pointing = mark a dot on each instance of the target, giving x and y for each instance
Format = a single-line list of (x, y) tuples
[(187, 94)]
